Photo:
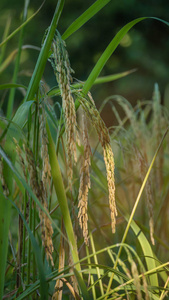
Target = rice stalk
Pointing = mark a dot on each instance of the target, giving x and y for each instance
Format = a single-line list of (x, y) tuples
[(61, 65), (39, 189), (84, 182), (103, 135)]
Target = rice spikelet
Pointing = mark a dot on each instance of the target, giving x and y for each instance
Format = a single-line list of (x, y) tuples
[(109, 162), (136, 280), (84, 184), (60, 62), (41, 193), (145, 286), (47, 230), (103, 135), (46, 168), (20, 156)]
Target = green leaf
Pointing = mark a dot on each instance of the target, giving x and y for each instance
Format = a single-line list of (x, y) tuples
[(38, 256), (82, 285), (5, 215), (147, 250), (87, 15), (20, 27), (43, 56), (12, 85), (14, 129), (21, 114), (56, 91), (61, 195), (109, 51), (6, 32)]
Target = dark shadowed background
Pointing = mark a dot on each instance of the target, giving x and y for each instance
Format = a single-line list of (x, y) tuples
[(144, 48)]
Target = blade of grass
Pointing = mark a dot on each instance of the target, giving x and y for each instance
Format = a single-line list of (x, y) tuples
[(61, 195), (43, 56), (13, 54), (6, 31), (37, 252), (87, 15), (20, 27), (135, 207), (164, 293), (5, 216), (16, 69), (147, 250), (55, 91), (96, 262), (90, 274), (109, 51), (82, 285), (150, 272), (12, 85), (22, 113)]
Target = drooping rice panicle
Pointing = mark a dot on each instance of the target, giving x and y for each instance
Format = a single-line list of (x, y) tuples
[(84, 183), (136, 280), (61, 65), (88, 105), (40, 192)]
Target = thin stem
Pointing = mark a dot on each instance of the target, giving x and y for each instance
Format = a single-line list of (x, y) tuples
[(16, 69), (62, 199), (96, 262)]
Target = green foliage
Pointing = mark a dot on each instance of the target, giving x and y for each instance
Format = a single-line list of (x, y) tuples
[(42, 142)]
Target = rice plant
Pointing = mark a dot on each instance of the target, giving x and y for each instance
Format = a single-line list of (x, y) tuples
[(83, 208)]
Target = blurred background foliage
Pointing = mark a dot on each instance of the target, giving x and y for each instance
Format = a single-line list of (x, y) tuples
[(145, 48)]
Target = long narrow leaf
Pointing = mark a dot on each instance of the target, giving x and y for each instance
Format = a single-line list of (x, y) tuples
[(43, 56), (82, 285), (17, 62), (12, 85), (5, 215), (61, 194), (87, 15), (109, 51), (6, 32), (20, 27), (56, 91), (37, 252)]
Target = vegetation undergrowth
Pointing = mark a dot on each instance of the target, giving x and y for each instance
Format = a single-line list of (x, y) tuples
[(83, 208)]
